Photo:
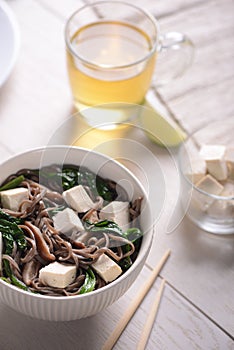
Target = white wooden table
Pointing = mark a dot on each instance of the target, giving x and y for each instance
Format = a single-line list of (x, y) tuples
[(197, 309)]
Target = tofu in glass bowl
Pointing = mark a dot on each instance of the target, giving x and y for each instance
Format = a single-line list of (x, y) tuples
[(206, 163)]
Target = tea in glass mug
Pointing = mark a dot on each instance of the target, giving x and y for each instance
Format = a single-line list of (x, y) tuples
[(111, 53)]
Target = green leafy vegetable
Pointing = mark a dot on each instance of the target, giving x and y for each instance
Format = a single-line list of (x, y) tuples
[(8, 229), (8, 242), (133, 234), (99, 186), (10, 218), (11, 232), (108, 226), (13, 183), (89, 283), (125, 263), (14, 280), (5, 280), (56, 210), (104, 191), (7, 268), (71, 176), (104, 226)]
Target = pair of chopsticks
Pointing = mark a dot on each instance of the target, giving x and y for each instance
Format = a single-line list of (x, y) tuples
[(135, 304)]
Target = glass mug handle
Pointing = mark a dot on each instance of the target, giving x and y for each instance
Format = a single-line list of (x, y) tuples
[(175, 56)]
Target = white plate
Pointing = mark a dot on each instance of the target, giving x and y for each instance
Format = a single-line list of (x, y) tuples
[(9, 41)]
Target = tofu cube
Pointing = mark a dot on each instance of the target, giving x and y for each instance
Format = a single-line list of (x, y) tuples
[(67, 221), (228, 189), (57, 275), (209, 185), (78, 199), (11, 199), (229, 157), (118, 212), (223, 208), (197, 170), (106, 268), (214, 155)]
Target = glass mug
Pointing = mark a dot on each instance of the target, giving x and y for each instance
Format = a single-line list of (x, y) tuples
[(112, 48)]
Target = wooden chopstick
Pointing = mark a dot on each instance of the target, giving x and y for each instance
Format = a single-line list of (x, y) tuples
[(134, 304), (150, 320)]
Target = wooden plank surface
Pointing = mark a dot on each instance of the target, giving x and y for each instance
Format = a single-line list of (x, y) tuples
[(178, 326)]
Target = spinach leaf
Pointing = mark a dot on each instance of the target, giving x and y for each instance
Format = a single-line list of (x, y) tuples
[(10, 218), (125, 263), (85, 177), (5, 279), (107, 193), (89, 283), (14, 280), (10, 233), (103, 226), (11, 228), (13, 183), (8, 242), (70, 176), (133, 234), (7, 268), (56, 210)]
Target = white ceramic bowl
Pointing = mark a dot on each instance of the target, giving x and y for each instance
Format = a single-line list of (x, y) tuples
[(80, 306)]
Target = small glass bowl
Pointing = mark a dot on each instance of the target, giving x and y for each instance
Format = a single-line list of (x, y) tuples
[(211, 212)]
